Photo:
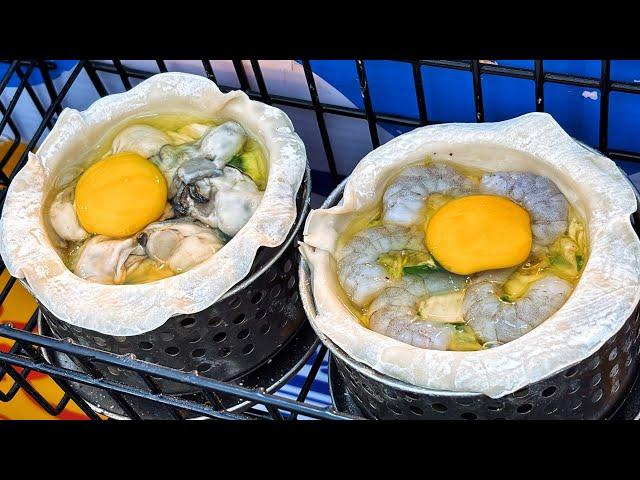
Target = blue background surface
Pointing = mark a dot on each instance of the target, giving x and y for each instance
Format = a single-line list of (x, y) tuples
[(449, 96)]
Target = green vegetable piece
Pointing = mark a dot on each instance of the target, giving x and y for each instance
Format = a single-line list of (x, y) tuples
[(409, 262), (422, 269), (464, 339), (253, 164)]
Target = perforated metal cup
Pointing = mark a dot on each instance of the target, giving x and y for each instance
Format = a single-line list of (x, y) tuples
[(590, 389), (234, 336)]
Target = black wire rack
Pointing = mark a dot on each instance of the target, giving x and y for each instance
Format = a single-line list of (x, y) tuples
[(26, 353)]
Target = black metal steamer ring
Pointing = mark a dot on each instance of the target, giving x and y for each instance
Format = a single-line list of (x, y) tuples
[(227, 341), (598, 387), (272, 375)]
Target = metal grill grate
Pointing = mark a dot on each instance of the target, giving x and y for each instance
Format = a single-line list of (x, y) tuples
[(26, 353)]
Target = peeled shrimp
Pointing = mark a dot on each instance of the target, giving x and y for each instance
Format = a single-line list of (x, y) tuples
[(495, 320), (538, 195), (358, 270), (404, 199), (395, 313)]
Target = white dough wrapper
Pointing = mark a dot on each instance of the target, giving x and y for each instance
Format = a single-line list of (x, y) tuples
[(125, 310), (602, 301)]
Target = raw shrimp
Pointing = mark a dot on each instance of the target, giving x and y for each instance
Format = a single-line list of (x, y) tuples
[(495, 320), (358, 270), (396, 314), (537, 195), (404, 200)]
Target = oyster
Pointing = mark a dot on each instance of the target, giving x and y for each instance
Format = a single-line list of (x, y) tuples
[(179, 243), (223, 199), (63, 218), (217, 146), (107, 260), (144, 140)]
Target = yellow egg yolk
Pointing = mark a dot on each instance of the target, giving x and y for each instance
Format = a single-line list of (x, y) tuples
[(120, 195), (479, 232)]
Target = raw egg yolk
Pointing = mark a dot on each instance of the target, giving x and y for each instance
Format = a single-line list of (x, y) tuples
[(120, 195), (479, 232)]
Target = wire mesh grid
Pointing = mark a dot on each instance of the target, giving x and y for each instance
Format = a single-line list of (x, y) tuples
[(25, 355)]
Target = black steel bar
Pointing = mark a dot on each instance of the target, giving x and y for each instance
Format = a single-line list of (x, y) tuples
[(512, 72), (154, 370), (213, 399), (539, 79), (48, 82), (11, 150), (273, 411), (450, 64), (625, 87), (123, 74), (162, 66), (153, 388), (32, 93), (24, 78), (27, 387), (624, 155), (262, 86), (50, 64), (16, 348), (7, 289), (477, 90), (603, 144), (95, 79), (15, 386), (115, 387), (396, 119), (571, 80), (116, 396), (69, 393), (322, 126), (7, 75), (47, 118), (311, 377), (242, 75), (422, 102), (208, 70), (368, 107)]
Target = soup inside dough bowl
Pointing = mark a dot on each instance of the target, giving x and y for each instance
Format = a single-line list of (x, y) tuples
[(602, 301), (125, 310)]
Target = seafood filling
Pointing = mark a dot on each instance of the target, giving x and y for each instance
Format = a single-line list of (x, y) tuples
[(159, 202), (454, 261)]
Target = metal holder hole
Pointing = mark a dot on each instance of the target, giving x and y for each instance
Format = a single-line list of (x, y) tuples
[(549, 391), (524, 408), (257, 297), (173, 351), (416, 410), (198, 352), (439, 407), (214, 321), (187, 322), (264, 329)]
